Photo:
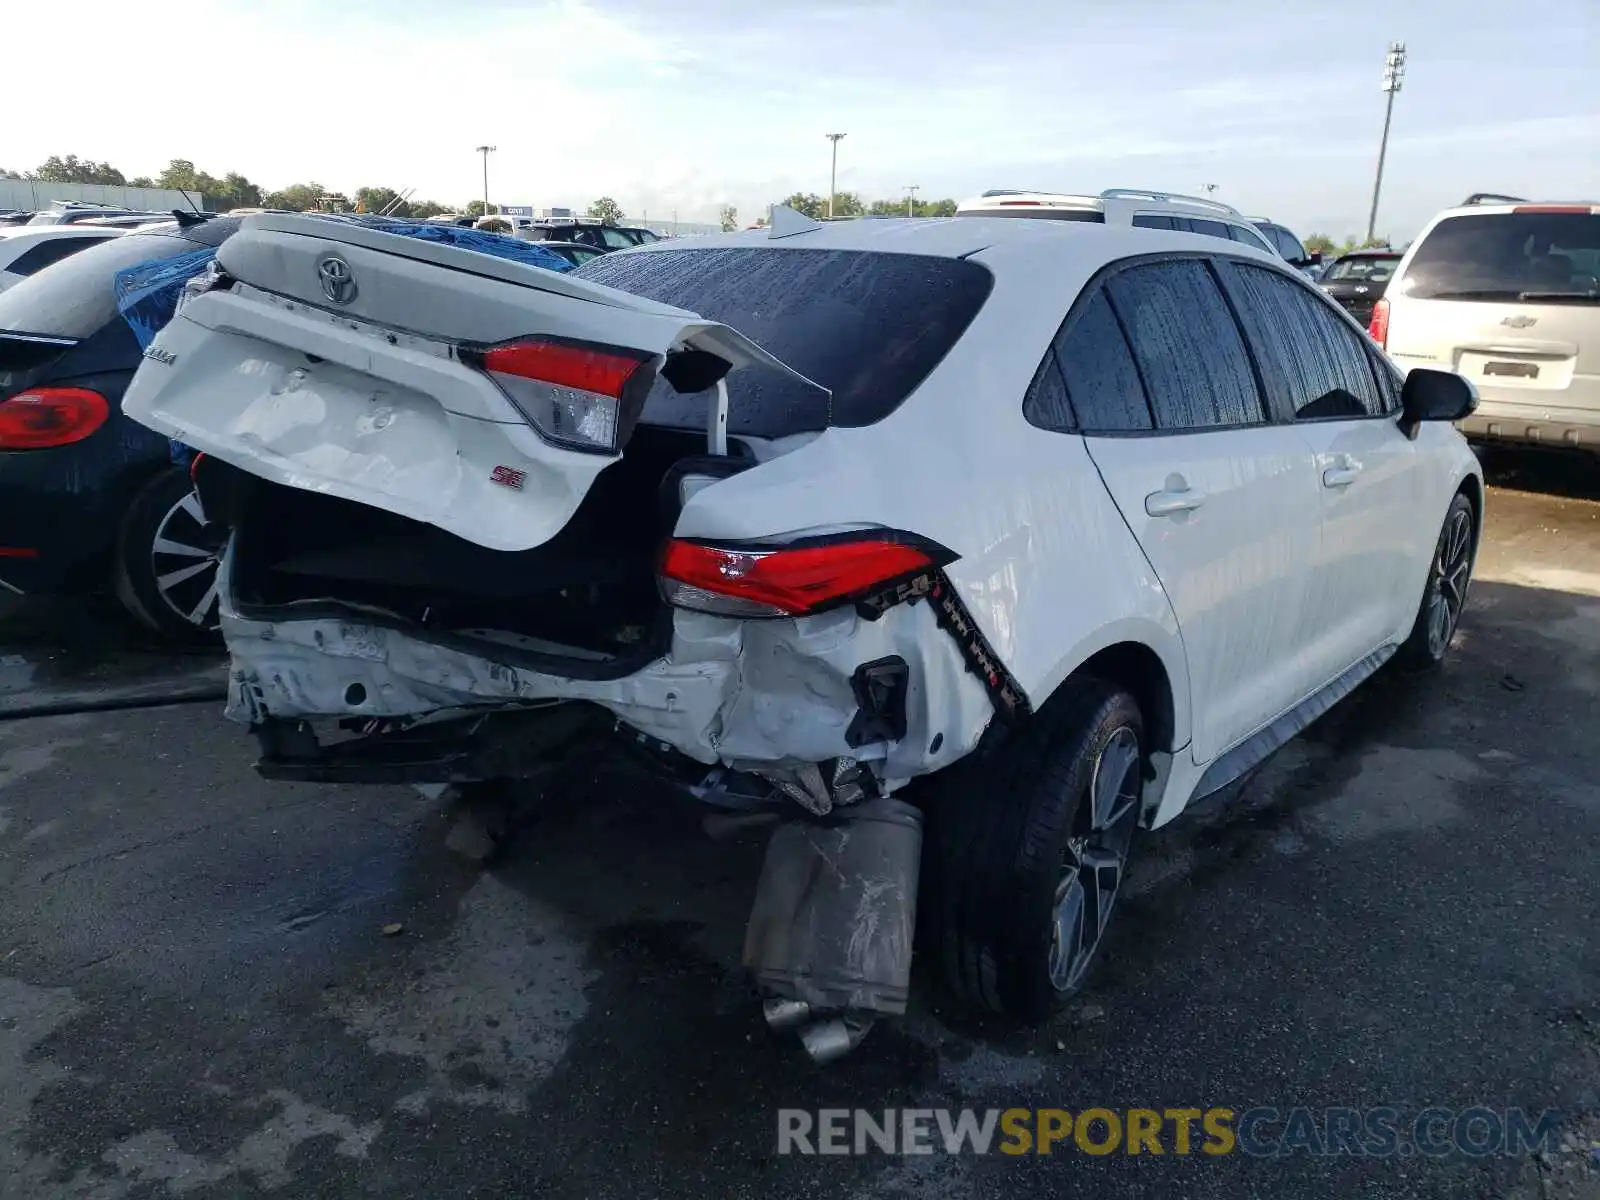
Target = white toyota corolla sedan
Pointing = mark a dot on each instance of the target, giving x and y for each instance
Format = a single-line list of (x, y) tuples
[(959, 550)]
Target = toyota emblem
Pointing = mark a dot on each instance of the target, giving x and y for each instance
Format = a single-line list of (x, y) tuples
[(338, 280)]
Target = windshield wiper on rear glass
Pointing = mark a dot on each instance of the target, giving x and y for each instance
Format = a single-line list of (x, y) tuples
[(1558, 296), (1469, 294)]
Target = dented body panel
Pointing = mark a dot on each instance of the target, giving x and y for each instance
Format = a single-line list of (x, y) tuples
[(751, 696)]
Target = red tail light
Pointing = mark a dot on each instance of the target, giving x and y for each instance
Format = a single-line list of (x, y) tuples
[(788, 581), (194, 467), (43, 417), (578, 395), (1378, 327)]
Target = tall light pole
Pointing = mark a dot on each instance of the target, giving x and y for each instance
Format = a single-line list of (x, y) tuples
[(486, 151), (833, 173), (911, 198), (1394, 72)]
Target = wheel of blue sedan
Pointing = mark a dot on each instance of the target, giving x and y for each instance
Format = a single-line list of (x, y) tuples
[(168, 557)]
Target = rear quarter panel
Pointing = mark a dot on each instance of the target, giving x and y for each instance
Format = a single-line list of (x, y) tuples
[(1047, 566)]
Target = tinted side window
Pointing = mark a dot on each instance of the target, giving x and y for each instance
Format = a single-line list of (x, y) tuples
[(1045, 404), (1286, 243), (1151, 221), (1102, 381), (1214, 229), (1187, 345), (38, 257), (1318, 365), (1248, 236)]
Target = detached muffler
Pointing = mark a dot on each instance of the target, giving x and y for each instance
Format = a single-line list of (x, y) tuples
[(830, 935)]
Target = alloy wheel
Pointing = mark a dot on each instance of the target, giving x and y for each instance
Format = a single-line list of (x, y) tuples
[(184, 559), (1452, 570), (1095, 860)]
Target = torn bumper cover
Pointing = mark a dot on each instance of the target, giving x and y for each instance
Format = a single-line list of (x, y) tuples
[(765, 697)]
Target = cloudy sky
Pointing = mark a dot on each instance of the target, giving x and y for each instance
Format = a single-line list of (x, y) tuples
[(685, 104)]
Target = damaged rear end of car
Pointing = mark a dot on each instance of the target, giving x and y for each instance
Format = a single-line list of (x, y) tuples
[(455, 489)]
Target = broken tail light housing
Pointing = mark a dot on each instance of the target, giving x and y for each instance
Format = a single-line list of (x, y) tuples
[(41, 418), (1378, 327), (794, 580), (580, 395)]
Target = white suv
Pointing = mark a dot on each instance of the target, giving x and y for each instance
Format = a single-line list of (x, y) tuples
[(1507, 293), (1034, 534), (1124, 206)]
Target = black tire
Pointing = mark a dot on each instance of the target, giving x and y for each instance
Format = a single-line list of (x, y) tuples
[(1445, 596), (169, 590), (1003, 831)]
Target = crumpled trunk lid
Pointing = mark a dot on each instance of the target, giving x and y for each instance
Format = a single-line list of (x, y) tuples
[(334, 363)]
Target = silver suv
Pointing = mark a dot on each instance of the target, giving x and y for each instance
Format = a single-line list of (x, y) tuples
[(1506, 293), (1124, 206)]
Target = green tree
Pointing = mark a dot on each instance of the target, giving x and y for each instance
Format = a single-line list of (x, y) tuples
[(72, 169), (728, 216), (377, 200), (809, 203), (846, 204), (936, 208), (1322, 242), (297, 197), (424, 208), (607, 211), (475, 208), (142, 181), (238, 192)]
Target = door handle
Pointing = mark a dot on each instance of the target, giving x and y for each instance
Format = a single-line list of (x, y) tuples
[(1170, 503), (1341, 476)]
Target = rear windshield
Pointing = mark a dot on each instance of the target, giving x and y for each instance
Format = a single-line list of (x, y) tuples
[(869, 326), (1038, 213), (74, 297), (1508, 256), (1374, 270)]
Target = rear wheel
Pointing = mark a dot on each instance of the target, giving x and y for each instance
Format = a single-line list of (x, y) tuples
[(1449, 576), (1028, 852), (167, 559)]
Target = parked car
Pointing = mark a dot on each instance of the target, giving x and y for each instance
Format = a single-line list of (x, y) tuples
[(63, 213), (14, 216), (1050, 529), (1357, 280), (575, 253), (1507, 293), (1289, 246), (586, 231), (24, 251), (88, 498), (1121, 206)]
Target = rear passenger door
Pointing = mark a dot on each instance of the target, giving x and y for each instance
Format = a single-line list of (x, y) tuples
[(1225, 505), (1325, 377)]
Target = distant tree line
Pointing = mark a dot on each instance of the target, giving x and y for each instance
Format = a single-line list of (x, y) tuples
[(234, 190), (1332, 249), (850, 204)]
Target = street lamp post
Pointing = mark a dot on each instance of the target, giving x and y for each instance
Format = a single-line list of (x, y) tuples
[(911, 198), (486, 151), (1394, 71), (833, 173)]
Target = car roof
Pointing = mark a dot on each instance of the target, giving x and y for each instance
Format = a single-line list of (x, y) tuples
[(959, 237), (44, 233), (1528, 206)]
